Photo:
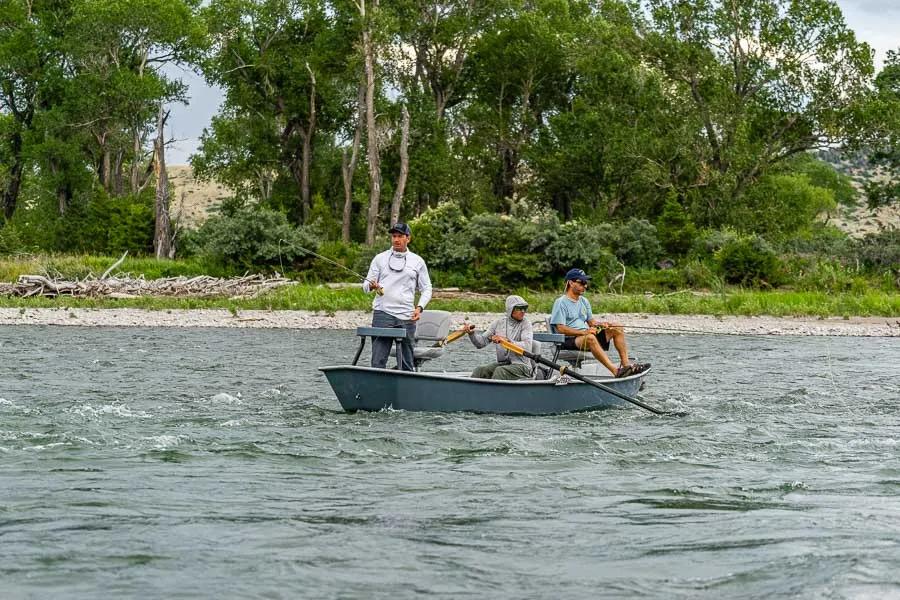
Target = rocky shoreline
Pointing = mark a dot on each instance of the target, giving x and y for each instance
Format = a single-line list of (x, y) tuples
[(299, 319)]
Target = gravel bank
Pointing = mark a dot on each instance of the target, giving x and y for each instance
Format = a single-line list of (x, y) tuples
[(299, 319)]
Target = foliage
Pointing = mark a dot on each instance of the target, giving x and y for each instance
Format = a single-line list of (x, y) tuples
[(880, 251), (780, 205), (249, 237), (676, 230), (749, 260)]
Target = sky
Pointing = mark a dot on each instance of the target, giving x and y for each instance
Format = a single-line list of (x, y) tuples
[(874, 21)]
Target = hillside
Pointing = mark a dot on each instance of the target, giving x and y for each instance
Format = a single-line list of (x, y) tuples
[(858, 219), (193, 200)]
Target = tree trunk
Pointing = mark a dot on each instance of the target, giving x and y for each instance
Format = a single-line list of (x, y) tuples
[(372, 134), (162, 238), (63, 190), (118, 179), (135, 164), (404, 168), (14, 181), (306, 159), (349, 168), (106, 171)]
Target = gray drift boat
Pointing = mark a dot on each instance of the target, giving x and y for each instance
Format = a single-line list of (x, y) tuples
[(366, 388)]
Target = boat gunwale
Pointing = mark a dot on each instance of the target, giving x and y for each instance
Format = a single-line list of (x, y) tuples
[(448, 377)]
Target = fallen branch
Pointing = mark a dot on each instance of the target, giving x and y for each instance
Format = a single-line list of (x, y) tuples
[(203, 286)]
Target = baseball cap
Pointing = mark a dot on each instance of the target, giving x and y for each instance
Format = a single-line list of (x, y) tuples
[(577, 274), (400, 228)]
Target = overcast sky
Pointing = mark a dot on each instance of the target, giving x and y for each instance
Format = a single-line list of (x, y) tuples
[(875, 21)]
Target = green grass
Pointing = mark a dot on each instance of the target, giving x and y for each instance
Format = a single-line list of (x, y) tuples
[(73, 266), (322, 299), (314, 297)]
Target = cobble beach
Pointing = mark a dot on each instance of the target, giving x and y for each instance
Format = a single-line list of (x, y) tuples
[(299, 319)]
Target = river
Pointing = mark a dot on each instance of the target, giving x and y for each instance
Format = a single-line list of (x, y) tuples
[(214, 463)]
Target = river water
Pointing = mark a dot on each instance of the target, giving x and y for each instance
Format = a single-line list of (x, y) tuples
[(212, 463)]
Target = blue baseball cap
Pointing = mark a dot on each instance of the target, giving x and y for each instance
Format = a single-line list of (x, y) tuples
[(400, 228), (576, 275)]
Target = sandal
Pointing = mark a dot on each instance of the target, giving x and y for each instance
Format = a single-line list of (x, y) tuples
[(625, 371), (639, 368)]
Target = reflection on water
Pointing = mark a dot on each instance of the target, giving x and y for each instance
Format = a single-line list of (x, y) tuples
[(179, 463)]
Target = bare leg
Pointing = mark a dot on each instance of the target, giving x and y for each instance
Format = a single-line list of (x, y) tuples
[(591, 343), (617, 336)]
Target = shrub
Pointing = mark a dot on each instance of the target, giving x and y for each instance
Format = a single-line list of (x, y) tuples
[(675, 228), (440, 234), (635, 243), (749, 261), (879, 251), (249, 237)]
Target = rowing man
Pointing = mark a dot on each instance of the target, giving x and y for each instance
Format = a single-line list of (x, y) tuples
[(399, 273)]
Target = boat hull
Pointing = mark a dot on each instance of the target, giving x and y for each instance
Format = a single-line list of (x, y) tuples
[(365, 388)]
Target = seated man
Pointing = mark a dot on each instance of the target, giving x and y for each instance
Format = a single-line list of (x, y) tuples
[(572, 317), (514, 328)]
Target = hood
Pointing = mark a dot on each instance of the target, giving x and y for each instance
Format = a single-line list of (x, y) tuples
[(512, 302)]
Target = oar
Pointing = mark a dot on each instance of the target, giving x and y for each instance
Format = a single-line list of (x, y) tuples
[(576, 375), (450, 338)]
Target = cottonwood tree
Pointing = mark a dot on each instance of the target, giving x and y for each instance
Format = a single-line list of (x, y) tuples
[(283, 65), (764, 80)]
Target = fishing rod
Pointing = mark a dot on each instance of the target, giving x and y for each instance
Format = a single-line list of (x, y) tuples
[(378, 290), (693, 331)]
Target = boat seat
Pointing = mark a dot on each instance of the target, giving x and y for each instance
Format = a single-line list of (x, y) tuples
[(432, 327), (541, 372), (573, 357)]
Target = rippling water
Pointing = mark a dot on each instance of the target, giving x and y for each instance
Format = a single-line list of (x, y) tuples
[(216, 463)]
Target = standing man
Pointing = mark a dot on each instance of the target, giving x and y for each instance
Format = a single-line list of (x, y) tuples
[(572, 317), (399, 273), (513, 327)]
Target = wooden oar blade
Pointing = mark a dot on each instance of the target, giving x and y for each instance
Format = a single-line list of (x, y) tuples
[(450, 338)]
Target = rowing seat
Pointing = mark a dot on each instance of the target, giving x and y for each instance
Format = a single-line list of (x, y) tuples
[(432, 327), (573, 357)]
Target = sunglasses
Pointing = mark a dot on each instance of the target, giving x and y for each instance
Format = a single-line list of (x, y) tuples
[(582, 282), (522, 308)]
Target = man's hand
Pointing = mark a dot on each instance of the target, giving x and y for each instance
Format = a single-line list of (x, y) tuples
[(498, 338), (469, 327), (416, 314)]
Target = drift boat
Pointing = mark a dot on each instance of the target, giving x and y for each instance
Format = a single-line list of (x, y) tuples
[(370, 389)]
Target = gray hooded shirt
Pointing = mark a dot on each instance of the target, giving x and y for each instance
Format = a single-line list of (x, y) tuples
[(519, 332)]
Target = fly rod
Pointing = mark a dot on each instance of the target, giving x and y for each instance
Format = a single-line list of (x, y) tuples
[(379, 290)]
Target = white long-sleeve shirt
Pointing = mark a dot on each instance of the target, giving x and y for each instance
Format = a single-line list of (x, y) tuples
[(401, 274)]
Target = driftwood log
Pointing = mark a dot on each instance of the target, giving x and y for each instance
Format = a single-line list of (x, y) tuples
[(203, 286)]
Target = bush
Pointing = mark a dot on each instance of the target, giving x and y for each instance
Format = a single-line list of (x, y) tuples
[(635, 243), (749, 261), (11, 241), (251, 237), (675, 228), (879, 251), (440, 234)]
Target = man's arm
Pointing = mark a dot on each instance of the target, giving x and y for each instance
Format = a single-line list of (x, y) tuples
[(480, 340), (424, 285), (372, 277)]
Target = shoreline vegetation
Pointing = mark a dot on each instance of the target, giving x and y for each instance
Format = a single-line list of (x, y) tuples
[(333, 297), (163, 299)]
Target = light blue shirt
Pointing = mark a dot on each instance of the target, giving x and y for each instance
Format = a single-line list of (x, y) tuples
[(401, 274), (571, 313)]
